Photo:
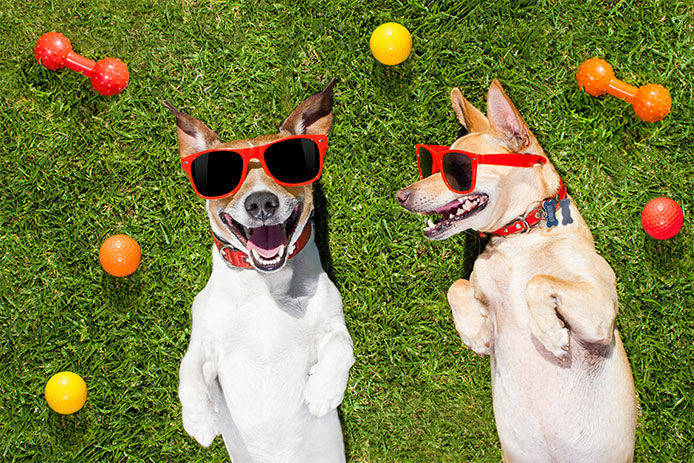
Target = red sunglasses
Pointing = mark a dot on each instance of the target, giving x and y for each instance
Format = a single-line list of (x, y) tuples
[(291, 161), (459, 168)]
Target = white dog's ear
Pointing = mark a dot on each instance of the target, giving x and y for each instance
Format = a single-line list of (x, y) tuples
[(314, 115), (506, 120), (469, 117), (193, 135)]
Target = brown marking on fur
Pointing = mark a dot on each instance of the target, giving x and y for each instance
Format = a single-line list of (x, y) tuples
[(314, 115)]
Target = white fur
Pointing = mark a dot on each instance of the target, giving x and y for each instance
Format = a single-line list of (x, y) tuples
[(278, 346)]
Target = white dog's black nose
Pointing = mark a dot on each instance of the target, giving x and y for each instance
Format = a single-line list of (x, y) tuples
[(262, 205)]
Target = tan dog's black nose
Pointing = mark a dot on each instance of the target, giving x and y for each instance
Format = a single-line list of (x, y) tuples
[(261, 205), (402, 196)]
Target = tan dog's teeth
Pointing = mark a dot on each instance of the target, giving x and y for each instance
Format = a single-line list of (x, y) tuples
[(430, 223)]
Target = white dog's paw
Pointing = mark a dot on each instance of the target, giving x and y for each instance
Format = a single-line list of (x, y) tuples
[(324, 390), (201, 425), (554, 338)]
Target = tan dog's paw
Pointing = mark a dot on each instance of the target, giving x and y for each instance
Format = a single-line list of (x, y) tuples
[(471, 318), (553, 337), (545, 323), (324, 390)]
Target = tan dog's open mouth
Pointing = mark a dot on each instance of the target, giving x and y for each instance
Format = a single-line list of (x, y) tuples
[(267, 244), (455, 211)]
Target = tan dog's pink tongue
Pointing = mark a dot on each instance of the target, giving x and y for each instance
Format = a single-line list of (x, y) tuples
[(266, 240)]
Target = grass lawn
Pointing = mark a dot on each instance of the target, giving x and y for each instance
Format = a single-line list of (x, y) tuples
[(76, 167)]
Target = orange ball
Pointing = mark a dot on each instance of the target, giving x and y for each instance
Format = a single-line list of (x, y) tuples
[(120, 255), (652, 102), (594, 75)]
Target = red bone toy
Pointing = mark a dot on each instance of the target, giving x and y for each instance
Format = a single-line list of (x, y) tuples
[(109, 76), (651, 102)]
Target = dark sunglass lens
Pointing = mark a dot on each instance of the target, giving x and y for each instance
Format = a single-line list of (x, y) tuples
[(458, 171), (217, 173), (426, 162), (296, 160)]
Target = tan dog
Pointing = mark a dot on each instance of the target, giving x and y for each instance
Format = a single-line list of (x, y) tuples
[(541, 302)]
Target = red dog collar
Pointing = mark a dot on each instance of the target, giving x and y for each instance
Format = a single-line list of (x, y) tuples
[(533, 217), (237, 258)]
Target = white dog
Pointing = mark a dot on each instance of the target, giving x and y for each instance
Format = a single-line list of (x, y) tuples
[(269, 352)]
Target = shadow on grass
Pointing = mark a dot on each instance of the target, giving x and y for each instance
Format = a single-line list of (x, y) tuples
[(122, 292), (393, 80), (321, 231), (474, 246), (68, 431), (664, 256)]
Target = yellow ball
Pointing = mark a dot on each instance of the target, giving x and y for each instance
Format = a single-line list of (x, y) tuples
[(66, 392), (391, 43)]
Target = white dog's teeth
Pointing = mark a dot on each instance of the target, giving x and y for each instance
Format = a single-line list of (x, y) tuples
[(255, 254), (292, 248)]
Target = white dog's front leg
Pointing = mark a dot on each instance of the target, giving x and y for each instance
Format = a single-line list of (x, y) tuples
[(199, 416), (589, 309), (471, 318), (327, 378)]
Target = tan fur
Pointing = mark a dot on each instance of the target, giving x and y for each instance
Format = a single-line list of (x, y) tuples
[(541, 304)]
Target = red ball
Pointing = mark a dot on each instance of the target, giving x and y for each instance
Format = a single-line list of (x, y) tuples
[(662, 218), (109, 76), (51, 50)]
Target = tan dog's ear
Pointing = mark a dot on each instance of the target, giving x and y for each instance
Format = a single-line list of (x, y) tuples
[(506, 120), (314, 115), (469, 117), (193, 135)]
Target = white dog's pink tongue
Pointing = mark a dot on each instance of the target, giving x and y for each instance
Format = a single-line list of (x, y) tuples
[(267, 241)]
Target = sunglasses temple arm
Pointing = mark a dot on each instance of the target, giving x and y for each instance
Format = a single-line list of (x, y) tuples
[(512, 162)]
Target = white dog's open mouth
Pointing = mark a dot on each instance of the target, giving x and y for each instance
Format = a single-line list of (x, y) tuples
[(441, 219), (267, 244)]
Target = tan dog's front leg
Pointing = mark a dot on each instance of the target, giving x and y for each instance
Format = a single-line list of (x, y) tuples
[(588, 309), (471, 318)]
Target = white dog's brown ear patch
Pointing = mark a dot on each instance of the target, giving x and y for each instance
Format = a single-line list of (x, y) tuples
[(193, 135), (314, 115), (469, 117), (505, 119)]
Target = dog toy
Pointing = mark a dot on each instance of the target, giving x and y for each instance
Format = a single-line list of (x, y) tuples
[(120, 255), (662, 218), (651, 102), (109, 76), (66, 392), (391, 43)]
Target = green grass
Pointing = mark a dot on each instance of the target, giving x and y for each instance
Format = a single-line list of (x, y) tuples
[(77, 167)]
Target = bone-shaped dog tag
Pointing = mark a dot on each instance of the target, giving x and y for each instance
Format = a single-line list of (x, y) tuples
[(549, 206), (565, 205)]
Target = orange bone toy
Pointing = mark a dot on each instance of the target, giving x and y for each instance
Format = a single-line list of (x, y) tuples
[(651, 102)]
